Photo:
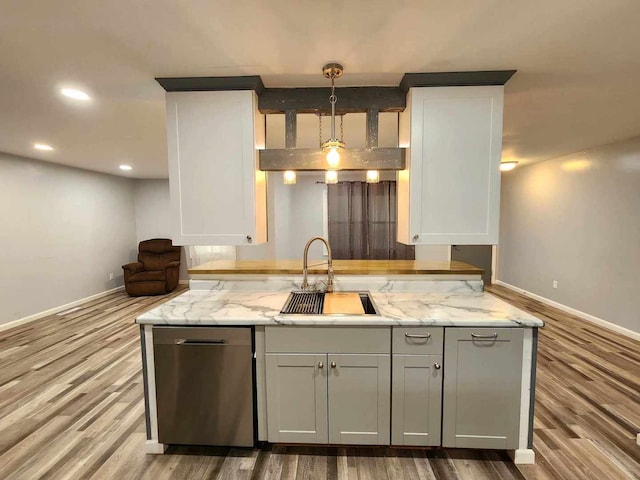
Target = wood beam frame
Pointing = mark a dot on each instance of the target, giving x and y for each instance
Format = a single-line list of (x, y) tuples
[(312, 159), (316, 100)]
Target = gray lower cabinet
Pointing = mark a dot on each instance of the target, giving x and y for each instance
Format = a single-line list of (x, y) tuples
[(297, 398), (482, 387), (416, 400), (328, 398), (359, 399)]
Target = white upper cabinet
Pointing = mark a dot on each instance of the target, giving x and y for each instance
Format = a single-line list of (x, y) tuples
[(218, 195), (450, 191)]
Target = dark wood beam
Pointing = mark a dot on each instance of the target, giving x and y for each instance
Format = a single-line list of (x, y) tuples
[(316, 100), (291, 128), (312, 159), (206, 84), (372, 128), (455, 79)]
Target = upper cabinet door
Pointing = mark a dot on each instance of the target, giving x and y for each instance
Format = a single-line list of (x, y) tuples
[(450, 192), (218, 195)]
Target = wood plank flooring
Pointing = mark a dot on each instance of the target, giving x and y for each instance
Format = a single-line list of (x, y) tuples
[(71, 406)]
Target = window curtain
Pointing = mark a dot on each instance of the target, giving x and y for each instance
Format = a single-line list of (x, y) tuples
[(362, 222)]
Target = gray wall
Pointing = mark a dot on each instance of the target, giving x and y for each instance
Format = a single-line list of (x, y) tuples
[(295, 214), (576, 219), (63, 231), (151, 200)]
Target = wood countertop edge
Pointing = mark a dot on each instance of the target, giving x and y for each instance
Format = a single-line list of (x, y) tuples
[(293, 271), (340, 267)]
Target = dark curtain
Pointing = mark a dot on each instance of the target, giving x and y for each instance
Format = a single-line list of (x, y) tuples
[(362, 222)]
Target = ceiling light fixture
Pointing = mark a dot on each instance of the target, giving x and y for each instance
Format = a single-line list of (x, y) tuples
[(42, 146), (331, 176), (125, 167), (75, 94), (373, 176), (289, 177), (333, 146), (506, 166)]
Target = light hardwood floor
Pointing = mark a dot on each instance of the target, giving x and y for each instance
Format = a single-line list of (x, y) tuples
[(71, 406)]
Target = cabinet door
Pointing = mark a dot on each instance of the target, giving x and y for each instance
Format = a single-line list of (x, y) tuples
[(482, 385), (359, 399), (296, 398), (450, 191), (218, 195), (416, 400)]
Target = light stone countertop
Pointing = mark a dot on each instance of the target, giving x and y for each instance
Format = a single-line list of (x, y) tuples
[(221, 307)]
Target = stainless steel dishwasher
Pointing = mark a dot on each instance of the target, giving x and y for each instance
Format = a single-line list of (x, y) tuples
[(204, 385)]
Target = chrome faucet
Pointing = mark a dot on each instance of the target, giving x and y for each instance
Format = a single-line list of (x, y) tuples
[(305, 265)]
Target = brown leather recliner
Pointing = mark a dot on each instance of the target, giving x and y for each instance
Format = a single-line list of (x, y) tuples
[(157, 270)]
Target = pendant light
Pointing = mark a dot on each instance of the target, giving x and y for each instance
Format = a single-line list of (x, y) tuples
[(333, 147)]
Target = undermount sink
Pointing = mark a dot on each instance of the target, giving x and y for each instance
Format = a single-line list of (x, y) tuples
[(313, 303)]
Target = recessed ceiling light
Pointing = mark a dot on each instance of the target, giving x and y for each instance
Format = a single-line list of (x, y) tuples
[(289, 177), (75, 94), (331, 176), (42, 146), (126, 167), (506, 166)]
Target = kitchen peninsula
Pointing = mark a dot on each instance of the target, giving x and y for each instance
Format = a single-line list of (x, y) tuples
[(438, 362)]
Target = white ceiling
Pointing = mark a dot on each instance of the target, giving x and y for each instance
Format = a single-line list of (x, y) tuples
[(577, 86)]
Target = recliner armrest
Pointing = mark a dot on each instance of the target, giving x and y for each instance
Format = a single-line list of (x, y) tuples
[(174, 264), (133, 268)]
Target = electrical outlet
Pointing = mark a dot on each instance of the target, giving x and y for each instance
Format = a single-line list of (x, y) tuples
[(111, 276), (555, 284)]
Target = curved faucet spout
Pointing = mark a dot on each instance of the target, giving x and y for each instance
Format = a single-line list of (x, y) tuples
[(305, 264)]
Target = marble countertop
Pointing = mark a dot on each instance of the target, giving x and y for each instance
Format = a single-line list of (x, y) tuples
[(216, 307)]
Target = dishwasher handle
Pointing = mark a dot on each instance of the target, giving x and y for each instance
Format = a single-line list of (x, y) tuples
[(185, 341)]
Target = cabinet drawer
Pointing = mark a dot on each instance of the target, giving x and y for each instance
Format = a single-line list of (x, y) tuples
[(418, 340), (328, 339), (481, 334)]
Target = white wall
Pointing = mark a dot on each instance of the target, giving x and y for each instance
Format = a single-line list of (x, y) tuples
[(305, 219), (151, 200), (295, 214), (62, 232), (576, 219)]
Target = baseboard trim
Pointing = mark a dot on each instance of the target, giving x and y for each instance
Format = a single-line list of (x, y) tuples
[(51, 311), (585, 316)]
